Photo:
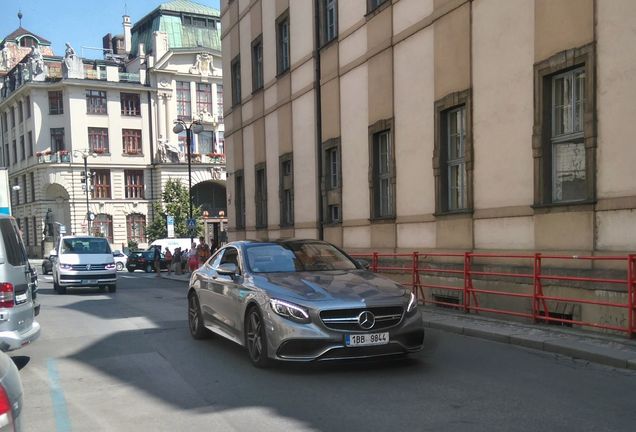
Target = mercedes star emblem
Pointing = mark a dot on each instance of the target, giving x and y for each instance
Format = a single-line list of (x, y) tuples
[(366, 320)]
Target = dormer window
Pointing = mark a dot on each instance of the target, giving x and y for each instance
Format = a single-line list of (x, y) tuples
[(28, 41)]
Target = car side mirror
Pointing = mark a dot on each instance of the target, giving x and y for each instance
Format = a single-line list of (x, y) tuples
[(363, 263), (227, 269)]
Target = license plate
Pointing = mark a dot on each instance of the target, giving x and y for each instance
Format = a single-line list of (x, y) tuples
[(20, 298), (366, 339), (86, 282)]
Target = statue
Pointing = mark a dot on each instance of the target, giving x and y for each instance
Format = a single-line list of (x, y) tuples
[(49, 228), (37, 61), (5, 59), (69, 55), (72, 67), (202, 64)]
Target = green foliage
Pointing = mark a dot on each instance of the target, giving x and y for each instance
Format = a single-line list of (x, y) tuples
[(133, 245), (175, 203)]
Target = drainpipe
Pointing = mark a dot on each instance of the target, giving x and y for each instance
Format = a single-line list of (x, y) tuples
[(152, 156), (317, 95)]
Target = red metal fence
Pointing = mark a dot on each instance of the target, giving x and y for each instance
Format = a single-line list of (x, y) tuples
[(461, 268)]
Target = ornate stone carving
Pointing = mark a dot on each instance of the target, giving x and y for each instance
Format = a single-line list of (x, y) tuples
[(72, 66)]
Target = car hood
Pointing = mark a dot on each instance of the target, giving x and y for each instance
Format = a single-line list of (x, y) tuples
[(86, 259), (353, 285)]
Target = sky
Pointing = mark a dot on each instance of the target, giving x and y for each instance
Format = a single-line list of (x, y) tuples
[(82, 23)]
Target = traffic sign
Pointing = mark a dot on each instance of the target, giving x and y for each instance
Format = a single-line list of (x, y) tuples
[(192, 223)]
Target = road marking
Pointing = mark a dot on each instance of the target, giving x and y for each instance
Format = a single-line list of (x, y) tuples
[(62, 420)]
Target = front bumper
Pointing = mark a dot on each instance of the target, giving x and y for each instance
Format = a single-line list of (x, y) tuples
[(289, 341), (12, 340), (87, 279)]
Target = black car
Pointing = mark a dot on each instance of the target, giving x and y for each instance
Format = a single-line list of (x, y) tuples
[(142, 260), (47, 265)]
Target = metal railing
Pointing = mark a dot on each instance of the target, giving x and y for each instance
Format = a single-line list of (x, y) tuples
[(470, 280)]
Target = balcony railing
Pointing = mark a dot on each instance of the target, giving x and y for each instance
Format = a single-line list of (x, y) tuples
[(61, 156)]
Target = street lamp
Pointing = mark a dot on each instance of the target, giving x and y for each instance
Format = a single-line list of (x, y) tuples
[(84, 154), (194, 127)]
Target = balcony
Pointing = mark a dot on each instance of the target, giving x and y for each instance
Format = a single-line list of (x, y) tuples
[(58, 157)]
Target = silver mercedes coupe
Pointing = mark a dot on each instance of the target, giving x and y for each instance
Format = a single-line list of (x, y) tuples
[(301, 300)]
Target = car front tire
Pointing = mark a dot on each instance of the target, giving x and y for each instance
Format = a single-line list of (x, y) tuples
[(195, 318), (130, 270), (58, 288), (256, 338), (149, 268), (119, 266)]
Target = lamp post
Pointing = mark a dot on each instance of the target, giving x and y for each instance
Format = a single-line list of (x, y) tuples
[(84, 154), (194, 127)]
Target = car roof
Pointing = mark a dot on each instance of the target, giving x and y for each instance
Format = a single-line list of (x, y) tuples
[(275, 241)]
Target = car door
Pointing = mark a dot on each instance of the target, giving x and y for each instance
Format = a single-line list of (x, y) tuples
[(224, 292)]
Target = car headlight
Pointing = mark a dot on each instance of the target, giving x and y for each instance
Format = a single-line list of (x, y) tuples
[(110, 266), (290, 311), (66, 266), (412, 306)]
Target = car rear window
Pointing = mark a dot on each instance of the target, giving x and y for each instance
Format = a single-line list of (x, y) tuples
[(13, 246), (85, 246)]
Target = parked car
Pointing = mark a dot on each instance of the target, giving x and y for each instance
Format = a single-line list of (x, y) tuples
[(10, 395), (18, 290), (47, 265), (301, 300), (120, 259), (142, 260), (83, 261)]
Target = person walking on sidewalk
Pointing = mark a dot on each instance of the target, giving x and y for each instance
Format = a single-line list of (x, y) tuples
[(176, 259), (168, 257), (193, 259), (156, 260), (203, 251)]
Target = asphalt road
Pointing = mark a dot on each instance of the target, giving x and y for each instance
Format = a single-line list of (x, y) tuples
[(125, 362)]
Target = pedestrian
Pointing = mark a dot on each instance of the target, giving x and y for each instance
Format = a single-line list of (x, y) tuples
[(168, 257), (193, 259), (176, 259), (203, 251), (213, 246), (156, 260)]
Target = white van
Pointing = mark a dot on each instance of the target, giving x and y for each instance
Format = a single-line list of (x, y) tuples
[(172, 244), (83, 261)]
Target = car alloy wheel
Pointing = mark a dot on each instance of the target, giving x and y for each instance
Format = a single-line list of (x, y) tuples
[(195, 321), (120, 266), (255, 338)]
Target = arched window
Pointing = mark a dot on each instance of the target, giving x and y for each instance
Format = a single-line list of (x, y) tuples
[(103, 226), (136, 227), (28, 41)]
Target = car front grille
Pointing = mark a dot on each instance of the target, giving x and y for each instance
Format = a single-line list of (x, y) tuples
[(84, 267), (347, 319), (82, 277)]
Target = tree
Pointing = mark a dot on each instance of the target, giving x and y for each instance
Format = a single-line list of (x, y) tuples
[(174, 202)]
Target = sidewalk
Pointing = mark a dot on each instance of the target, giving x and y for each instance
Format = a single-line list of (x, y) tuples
[(611, 350)]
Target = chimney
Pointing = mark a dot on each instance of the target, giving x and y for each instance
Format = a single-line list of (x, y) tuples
[(127, 34)]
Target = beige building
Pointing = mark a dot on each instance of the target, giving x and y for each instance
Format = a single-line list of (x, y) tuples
[(444, 124)]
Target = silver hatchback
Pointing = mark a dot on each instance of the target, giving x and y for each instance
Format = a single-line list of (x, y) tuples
[(301, 300), (18, 305)]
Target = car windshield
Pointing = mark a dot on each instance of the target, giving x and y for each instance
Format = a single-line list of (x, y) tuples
[(296, 257), (85, 246)]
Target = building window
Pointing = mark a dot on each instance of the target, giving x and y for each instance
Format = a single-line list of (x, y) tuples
[(134, 184), (374, 4), (56, 103), (220, 142), (332, 196), (98, 140), (452, 166), (20, 112), (257, 63), (239, 199), (96, 102), (57, 140), (103, 226), (282, 42), (260, 196), (12, 117), (22, 148), (205, 142), (30, 135), (204, 98), (26, 231), (101, 183), (286, 190), (383, 176), (564, 142), (184, 101), (136, 227), (28, 106), (28, 42), (24, 187), (32, 179), (236, 80), (5, 121), (15, 152), (131, 141), (130, 104), (219, 102), (328, 20)]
